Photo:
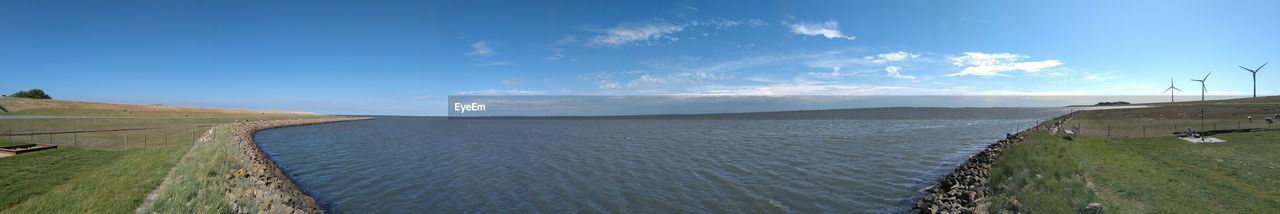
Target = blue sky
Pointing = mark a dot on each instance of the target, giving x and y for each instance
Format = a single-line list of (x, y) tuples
[(406, 58)]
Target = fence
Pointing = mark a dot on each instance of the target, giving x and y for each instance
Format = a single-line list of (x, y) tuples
[(109, 140), (1164, 128)]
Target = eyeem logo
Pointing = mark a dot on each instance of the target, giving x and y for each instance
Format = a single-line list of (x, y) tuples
[(464, 108)]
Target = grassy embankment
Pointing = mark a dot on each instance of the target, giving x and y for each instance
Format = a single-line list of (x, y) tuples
[(1159, 174), (94, 170)]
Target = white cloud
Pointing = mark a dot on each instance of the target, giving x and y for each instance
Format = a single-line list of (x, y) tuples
[(825, 89), (480, 48), (630, 33), (639, 79), (511, 82), (829, 29), (557, 49), (893, 72), (834, 74), (891, 57), (492, 63), (991, 64), (726, 23), (501, 92)]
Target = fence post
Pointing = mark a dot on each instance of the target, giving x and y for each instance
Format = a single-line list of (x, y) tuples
[(193, 137), (75, 138), (144, 140), (1108, 131), (51, 138), (1144, 131), (126, 141)]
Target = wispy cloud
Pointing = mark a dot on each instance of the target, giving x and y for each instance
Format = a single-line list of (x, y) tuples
[(639, 32), (511, 82), (493, 63), (829, 29), (640, 79), (827, 89), (891, 57), (557, 48), (727, 23), (502, 92), (480, 48), (991, 64), (893, 72)]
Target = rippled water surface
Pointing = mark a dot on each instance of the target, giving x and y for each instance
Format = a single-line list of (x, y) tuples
[(417, 164)]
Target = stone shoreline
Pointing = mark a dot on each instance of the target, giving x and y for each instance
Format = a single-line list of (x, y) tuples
[(964, 190), (273, 190)]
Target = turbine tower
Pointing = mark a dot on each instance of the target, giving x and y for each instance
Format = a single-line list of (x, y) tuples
[(1202, 88), (1170, 90), (1255, 77)]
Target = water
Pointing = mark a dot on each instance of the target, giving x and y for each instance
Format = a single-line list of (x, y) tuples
[(416, 164)]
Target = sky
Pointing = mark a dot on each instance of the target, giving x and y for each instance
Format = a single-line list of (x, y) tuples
[(408, 57)]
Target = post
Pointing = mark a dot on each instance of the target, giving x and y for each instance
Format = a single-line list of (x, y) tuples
[(1144, 131), (144, 140), (75, 138), (193, 137), (126, 141), (1108, 131), (50, 137)]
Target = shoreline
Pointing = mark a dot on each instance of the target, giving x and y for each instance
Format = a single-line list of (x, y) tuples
[(964, 190), (277, 192)]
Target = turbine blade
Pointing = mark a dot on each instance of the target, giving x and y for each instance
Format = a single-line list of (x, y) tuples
[(1247, 69), (1177, 89), (1206, 76), (1260, 67), (1167, 89)]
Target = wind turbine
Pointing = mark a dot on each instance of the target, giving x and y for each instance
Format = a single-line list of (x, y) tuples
[(1170, 90), (1255, 77), (1202, 88)]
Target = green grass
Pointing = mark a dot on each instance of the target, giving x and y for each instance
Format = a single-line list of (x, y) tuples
[(1143, 175), (1042, 174), (97, 172), (28, 175), (82, 180), (203, 169)]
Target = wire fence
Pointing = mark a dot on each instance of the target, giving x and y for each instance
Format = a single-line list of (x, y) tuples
[(108, 140), (1165, 128)]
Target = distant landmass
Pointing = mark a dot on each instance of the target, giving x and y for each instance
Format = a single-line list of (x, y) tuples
[(1112, 103), (834, 114)]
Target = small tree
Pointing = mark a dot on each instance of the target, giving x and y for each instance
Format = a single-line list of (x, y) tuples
[(34, 93)]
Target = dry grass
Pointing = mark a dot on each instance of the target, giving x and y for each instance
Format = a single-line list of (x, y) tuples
[(63, 107), (1163, 119)]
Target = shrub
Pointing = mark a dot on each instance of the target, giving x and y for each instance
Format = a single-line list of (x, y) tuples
[(34, 93)]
